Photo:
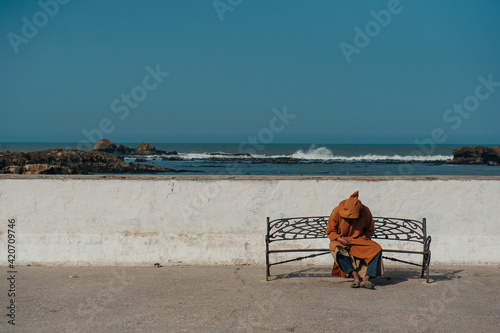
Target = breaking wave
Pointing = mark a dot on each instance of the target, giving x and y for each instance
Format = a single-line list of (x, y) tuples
[(319, 154)]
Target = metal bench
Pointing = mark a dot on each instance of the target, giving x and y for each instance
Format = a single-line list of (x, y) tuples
[(386, 228)]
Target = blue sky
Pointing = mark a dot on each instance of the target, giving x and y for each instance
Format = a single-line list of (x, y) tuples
[(230, 63)]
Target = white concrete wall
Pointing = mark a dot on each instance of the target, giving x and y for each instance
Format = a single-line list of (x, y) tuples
[(188, 220)]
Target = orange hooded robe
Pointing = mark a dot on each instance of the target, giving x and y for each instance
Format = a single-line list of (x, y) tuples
[(358, 232)]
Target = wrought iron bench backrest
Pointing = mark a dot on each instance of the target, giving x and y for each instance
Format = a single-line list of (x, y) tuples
[(314, 227)]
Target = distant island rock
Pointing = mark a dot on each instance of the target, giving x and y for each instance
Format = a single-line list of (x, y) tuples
[(71, 161), (476, 155), (106, 146), (145, 149), (121, 149)]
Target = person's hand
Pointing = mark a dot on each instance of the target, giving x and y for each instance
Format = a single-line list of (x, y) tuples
[(344, 242)]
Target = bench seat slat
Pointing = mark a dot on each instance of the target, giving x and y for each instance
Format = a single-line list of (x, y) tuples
[(298, 250), (318, 250)]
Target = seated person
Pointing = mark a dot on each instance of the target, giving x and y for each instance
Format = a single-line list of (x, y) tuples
[(349, 229)]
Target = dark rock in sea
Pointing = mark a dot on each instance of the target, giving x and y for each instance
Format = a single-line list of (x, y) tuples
[(171, 153), (108, 147), (229, 154), (476, 155), (121, 149), (70, 161), (171, 158), (141, 160), (145, 149), (105, 145)]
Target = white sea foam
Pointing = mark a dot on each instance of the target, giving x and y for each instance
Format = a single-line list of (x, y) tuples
[(325, 154), (321, 153), (316, 154), (204, 156), (132, 158), (407, 158)]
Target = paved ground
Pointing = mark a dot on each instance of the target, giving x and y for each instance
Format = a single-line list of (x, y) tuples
[(237, 299)]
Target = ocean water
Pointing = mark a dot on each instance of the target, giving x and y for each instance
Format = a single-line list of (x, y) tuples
[(298, 159)]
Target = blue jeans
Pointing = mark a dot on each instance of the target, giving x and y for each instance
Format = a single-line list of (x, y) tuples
[(346, 267)]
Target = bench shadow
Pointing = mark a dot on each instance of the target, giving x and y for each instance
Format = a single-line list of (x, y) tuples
[(392, 275), (305, 273), (395, 275), (445, 275)]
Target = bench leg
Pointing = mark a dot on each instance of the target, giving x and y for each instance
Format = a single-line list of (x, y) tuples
[(425, 266), (428, 264), (427, 258), (267, 259)]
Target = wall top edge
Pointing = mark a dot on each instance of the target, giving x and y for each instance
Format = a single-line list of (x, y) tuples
[(244, 177)]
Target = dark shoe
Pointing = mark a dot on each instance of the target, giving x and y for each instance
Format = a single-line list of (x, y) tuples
[(355, 284), (367, 284)]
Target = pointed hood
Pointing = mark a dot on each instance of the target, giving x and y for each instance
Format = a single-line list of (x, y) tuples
[(351, 208)]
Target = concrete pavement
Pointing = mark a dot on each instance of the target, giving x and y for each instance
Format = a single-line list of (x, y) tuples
[(238, 299)]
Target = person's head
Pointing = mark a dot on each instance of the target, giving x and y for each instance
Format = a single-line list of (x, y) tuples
[(351, 208), (349, 220)]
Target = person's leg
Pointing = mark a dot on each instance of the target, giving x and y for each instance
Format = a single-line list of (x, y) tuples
[(371, 270), (355, 276), (345, 265)]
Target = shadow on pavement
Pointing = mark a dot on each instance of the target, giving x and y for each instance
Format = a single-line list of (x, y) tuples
[(305, 273), (393, 275)]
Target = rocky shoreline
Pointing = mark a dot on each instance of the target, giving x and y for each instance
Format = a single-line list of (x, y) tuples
[(106, 157), (109, 158), (108, 147), (476, 155)]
